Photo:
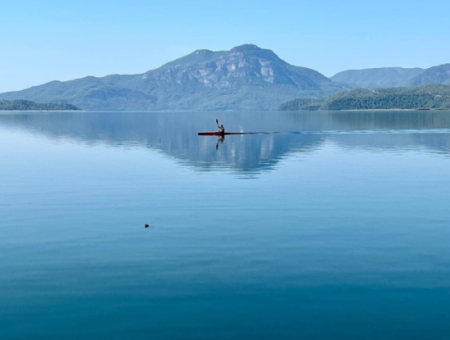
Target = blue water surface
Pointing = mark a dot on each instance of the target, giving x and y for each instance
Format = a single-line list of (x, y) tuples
[(336, 227)]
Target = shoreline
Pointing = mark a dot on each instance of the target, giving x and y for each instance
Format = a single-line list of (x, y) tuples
[(12, 111), (191, 111), (393, 110)]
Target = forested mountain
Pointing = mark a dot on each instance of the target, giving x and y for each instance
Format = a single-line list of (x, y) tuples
[(244, 78), (377, 77), (433, 75), (24, 105), (432, 96)]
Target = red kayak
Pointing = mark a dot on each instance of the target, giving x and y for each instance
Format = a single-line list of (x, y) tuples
[(218, 133)]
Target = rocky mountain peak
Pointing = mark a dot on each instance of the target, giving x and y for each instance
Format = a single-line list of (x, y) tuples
[(203, 52), (245, 48), (253, 50)]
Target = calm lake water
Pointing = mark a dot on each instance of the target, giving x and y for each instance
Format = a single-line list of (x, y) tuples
[(339, 229)]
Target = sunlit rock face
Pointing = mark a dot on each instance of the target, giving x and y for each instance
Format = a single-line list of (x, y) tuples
[(243, 78), (246, 64)]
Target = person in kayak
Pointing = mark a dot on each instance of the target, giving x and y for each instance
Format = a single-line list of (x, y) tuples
[(221, 128)]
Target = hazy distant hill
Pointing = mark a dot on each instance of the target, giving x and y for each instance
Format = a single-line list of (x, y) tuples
[(394, 76), (433, 96), (377, 77), (244, 78), (433, 75), (24, 105)]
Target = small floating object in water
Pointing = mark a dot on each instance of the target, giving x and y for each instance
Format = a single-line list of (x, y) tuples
[(147, 226)]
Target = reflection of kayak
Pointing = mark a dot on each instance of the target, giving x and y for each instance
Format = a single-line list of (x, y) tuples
[(217, 133)]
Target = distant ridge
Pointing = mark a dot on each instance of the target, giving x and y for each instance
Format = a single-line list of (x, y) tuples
[(244, 78), (433, 75), (394, 77), (377, 77)]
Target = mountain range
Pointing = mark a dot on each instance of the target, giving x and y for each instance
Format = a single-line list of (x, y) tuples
[(244, 78)]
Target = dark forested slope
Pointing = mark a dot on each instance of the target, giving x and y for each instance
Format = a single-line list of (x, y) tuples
[(25, 105), (433, 96)]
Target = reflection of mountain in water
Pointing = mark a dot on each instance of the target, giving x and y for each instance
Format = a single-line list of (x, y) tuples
[(391, 124), (175, 134)]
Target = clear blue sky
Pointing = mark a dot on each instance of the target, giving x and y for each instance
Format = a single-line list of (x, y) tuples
[(60, 40)]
